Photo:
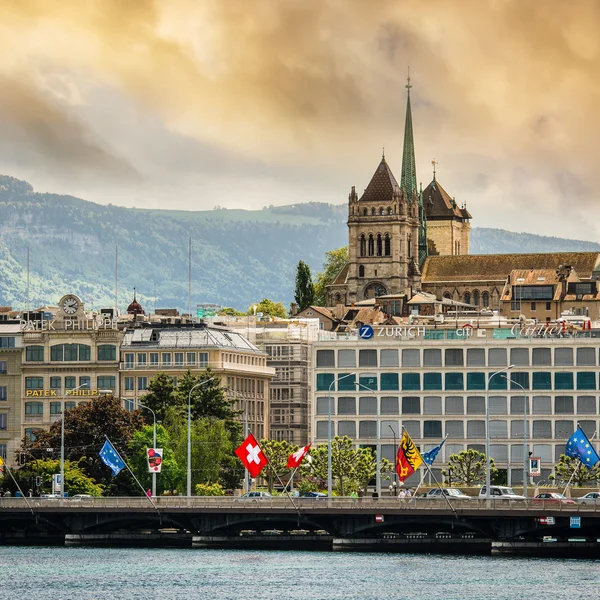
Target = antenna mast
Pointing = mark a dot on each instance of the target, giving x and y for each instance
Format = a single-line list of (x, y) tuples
[(116, 280), (190, 278)]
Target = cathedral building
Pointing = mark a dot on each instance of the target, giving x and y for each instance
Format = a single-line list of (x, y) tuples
[(393, 227)]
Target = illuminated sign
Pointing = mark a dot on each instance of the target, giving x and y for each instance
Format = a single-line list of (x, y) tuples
[(58, 394)]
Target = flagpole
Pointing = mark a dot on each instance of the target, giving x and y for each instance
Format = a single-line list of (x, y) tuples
[(5, 466), (578, 464), (279, 479), (441, 490), (133, 475)]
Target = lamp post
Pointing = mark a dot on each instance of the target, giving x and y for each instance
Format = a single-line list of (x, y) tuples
[(246, 431), (153, 444), (525, 449), (395, 450), (487, 430), (377, 442), (62, 438), (329, 474), (189, 435)]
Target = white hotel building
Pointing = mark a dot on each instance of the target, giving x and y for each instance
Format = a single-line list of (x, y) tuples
[(433, 382)]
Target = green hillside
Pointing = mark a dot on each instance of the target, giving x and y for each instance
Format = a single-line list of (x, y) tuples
[(239, 256)]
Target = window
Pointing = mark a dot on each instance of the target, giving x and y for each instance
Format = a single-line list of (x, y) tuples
[(34, 408), (411, 381), (454, 357), (129, 360), (179, 359), (367, 429), (586, 381), (519, 380), (586, 405), (106, 382), (455, 429), (55, 408), (486, 299), (497, 357), (166, 359), (455, 405), (498, 382), (367, 406), (3, 421), (69, 405), (368, 382), (129, 384), (347, 428), (70, 352), (432, 429), (476, 381), (70, 383), (346, 382), (411, 358), (322, 429), (142, 384), (413, 428), (519, 357), (541, 381), (361, 271), (85, 381), (190, 358), (390, 381), (107, 352), (7, 342), (563, 357), (563, 381), (141, 359), (203, 359), (476, 357), (563, 405), (154, 359), (411, 405), (498, 405), (563, 429), (542, 405), (454, 381), (322, 408), (543, 430), (346, 358), (3, 393), (367, 358), (34, 353), (432, 381), (432, 405), (34, 383), (325, 358), (324, 381), (389, 358), (387, 245), (3, 368), (586, 357), (516, 431), (389, 406), (3, 449), (541, 357), (533, 307), (55, 383), (346, 406), (475, 405), (432, 357), (475, 429), (517, 405)]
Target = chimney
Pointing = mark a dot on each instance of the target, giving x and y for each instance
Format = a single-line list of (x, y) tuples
[(293, 309)]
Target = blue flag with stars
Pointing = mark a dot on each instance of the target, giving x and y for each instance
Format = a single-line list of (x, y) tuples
[(431, 455), (580, 447), (110, 457)]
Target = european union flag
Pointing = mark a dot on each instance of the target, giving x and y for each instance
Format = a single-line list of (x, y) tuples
[(110, 457), (431, 455), (580, 447)]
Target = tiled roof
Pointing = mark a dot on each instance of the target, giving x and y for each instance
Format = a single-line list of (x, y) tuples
[(383, 185), (439, 205), (325, 312), (496, 267), (342, 276)]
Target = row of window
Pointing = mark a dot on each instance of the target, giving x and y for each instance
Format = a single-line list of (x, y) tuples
[(103, 382), (455, 405), (142, 384), (166, 359), (37, 407), (436, 429), (7, 342), (70, 353), (458, 357), (453, 381)]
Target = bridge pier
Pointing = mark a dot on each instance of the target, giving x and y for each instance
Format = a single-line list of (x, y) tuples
[(148, 539), (548, 549), (414, 544)]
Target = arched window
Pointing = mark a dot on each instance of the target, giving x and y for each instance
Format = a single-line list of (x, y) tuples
[(408, 244), (107, 352), (379, 245), (476, 297), (338, 298), (361, 270), (381, 211), (447, 295), (363, 245), (373, 211), (486, 299), (387, 246), (371, 245), (467, 298), (389, 210), (365, 213)]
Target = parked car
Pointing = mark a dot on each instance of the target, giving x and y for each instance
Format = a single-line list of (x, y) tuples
[(255, 495), (501, 492), (553, 498), (313, 495), (80, 497), (591, 498), (450, 493), (50, 496)]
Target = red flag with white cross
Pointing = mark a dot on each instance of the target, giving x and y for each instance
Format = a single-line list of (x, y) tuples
[(295, 459), (251, 455)]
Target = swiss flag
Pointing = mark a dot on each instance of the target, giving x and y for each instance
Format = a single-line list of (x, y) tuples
[(295, 459), (251, 454)]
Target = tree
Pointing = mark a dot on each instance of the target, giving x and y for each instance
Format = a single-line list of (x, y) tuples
[(468, 468), (269, 308), (566, 466), (334, 262), (209, 489), (86, 428), (277, 453), (305, 289), (160, 396), (172, 472), (231, 312)]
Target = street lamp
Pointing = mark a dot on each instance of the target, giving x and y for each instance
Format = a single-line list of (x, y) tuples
[(153, 444), (395, 451), (329, 474), (62, 438), (246, 430), (377, 443), (525, 449), (189, 437), (487, 430)]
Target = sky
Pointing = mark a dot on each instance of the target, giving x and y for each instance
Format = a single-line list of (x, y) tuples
[(192, 104)]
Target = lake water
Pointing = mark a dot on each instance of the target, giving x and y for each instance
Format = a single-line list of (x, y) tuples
[(37, 573)]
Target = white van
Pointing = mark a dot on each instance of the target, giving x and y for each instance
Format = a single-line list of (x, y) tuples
[(500, 492)]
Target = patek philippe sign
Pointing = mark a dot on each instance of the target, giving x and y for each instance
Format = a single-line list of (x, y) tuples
[(93, 324), (58, 393)]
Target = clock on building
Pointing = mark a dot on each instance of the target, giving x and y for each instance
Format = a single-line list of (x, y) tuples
[(70, 304)]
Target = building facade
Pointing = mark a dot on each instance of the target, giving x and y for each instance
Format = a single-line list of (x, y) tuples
[(242, 367), (436, 382), (10, 390)]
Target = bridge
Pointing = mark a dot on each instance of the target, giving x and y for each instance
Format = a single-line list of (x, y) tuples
[(340, 523)]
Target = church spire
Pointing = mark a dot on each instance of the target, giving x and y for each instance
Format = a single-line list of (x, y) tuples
[(408, 180)]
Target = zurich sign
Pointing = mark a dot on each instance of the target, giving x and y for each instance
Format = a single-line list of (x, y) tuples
[(366, 332)]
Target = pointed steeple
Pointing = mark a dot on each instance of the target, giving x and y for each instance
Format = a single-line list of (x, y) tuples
[(408, 179)]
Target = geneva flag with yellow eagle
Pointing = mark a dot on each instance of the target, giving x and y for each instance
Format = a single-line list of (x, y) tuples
[(408, 458)]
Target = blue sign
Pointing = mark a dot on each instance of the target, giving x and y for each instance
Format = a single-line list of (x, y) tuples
[(366, 332), (575, 522)]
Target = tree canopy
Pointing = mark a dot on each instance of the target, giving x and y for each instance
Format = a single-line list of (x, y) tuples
[(468, 467), (268, 308), (334, 261), (305, 290), (571, 469)]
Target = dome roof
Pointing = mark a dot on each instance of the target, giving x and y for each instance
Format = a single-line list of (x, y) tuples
[(135, 308)]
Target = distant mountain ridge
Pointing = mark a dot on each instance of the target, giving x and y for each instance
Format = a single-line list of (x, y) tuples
[(238, 257)]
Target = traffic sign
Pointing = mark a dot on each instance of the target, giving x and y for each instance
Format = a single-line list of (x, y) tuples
[(575, 523)]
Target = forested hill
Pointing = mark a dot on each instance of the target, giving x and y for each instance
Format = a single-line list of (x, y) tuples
[(239, 256)]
